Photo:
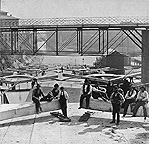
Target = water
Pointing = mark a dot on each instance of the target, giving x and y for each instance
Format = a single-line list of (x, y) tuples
[(73, 60)]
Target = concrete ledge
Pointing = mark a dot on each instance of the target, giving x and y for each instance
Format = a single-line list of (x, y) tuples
[(8, 111), (99, 104)]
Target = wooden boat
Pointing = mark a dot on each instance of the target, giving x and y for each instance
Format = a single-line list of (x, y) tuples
[(26, 106)]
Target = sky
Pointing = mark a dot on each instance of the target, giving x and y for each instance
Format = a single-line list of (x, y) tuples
[(25, 9)]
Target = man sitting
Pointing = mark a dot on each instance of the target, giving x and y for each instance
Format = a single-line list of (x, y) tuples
[(141, 100), (129, 98), (86, 92)]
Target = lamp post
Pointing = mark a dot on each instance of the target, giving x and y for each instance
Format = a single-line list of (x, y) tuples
[(0, 5), (75, 62), (83, 61)]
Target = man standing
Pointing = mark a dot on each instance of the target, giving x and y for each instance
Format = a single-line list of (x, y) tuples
[(142, 100), (63, 98), (116, 99), (37, 92), (86, 92)]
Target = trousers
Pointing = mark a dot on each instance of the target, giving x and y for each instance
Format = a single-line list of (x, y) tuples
[(138, 104), (37, 104), (87, 97), (126, 105), (116, 110)]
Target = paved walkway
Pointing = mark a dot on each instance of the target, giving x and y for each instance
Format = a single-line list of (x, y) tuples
[(46, 129)]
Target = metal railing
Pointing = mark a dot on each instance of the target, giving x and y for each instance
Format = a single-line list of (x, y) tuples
[(85, 20)]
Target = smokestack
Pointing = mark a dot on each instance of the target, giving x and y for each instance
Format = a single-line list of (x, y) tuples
[(0, 5)]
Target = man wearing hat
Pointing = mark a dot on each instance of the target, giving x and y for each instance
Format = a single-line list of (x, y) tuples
[(34, 81), (142, 100), (55, 90), (86, 92), (116, 99), (63, 98), (37, 92)]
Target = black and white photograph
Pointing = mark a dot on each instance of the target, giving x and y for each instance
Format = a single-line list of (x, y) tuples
[(74, 71)]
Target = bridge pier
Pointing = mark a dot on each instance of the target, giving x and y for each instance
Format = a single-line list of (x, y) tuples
[(145, 57)]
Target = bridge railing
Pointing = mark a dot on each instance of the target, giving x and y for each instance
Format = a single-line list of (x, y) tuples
[(85, 20)]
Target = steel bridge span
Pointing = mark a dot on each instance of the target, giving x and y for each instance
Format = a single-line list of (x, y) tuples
[(64, 36), (69, 36)]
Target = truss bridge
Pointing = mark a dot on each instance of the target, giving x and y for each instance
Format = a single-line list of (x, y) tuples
[(65, 36), (76, 36)]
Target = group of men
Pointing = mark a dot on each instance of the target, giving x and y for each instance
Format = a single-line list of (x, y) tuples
[(56, 93), (119, 97)]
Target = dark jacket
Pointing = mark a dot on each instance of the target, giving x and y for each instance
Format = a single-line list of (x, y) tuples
[(55, 92), (117, 98), (37, 93), (85, 92)]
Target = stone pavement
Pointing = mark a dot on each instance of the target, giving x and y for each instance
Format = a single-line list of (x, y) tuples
[(46, 129)]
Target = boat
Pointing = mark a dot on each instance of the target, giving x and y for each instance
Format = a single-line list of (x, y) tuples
[(20, 100)]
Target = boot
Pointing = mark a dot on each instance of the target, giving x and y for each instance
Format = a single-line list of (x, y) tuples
[(113, 121)]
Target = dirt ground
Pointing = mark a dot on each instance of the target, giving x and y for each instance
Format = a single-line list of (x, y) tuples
[(45, 129)]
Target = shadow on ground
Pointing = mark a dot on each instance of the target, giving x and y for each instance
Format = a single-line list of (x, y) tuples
[(93, 125), (30, 121), (100, 122)]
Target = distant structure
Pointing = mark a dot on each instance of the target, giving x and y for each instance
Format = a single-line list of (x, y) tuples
[(117, 61), (7, 20)]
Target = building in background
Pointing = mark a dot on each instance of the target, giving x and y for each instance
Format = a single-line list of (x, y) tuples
[(118, 61), (7, 20)]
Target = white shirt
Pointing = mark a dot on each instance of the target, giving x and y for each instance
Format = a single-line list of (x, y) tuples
[(142, 96), (90, 89), (132, 94), (65, 95)]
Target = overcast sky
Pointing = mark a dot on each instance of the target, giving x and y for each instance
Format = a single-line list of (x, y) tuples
[(75, 8)]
